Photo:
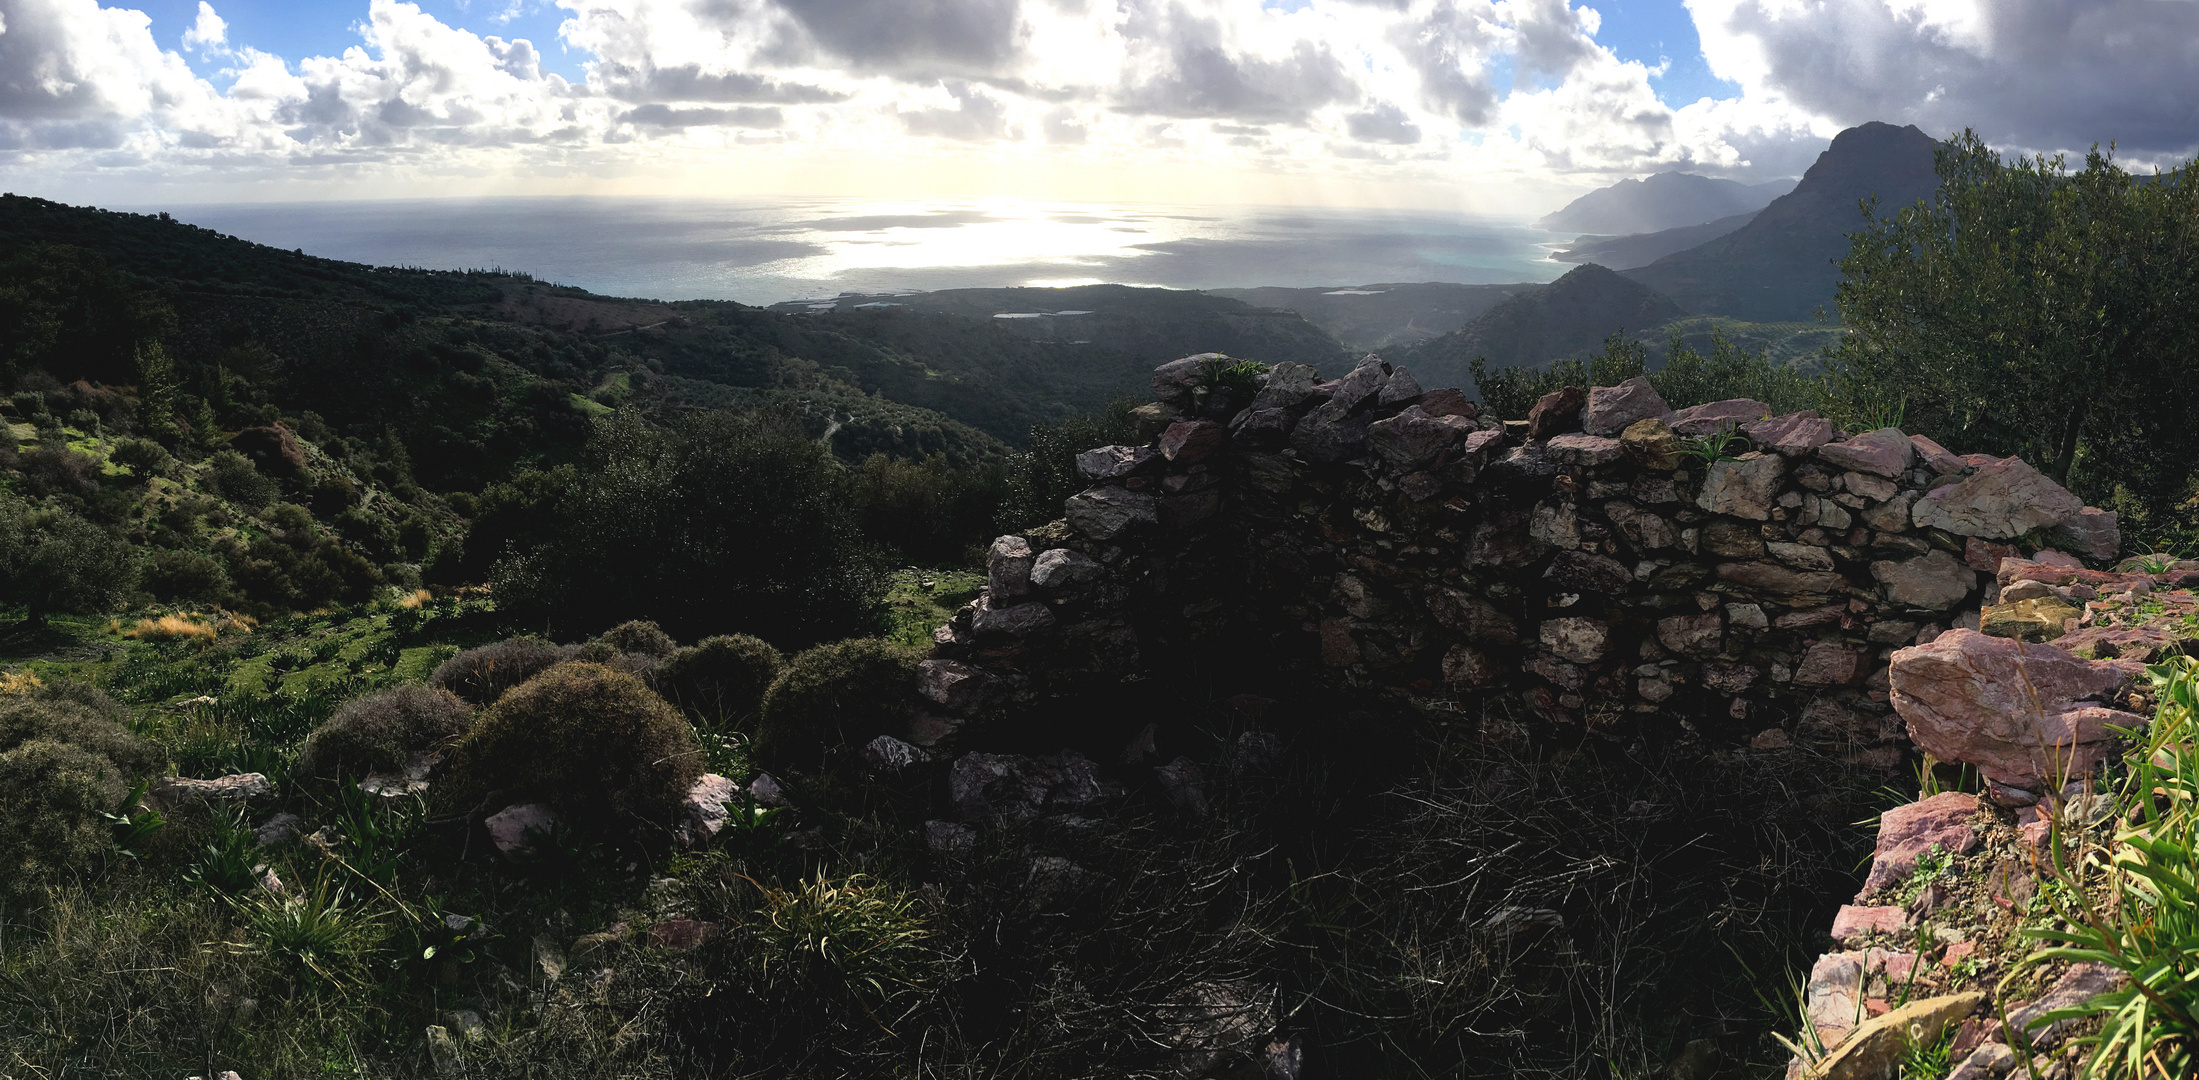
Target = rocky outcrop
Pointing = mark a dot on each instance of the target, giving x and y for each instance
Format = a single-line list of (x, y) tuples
[(2028, 716)]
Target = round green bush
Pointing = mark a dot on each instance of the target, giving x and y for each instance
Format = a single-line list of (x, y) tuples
[(639, 636), (720, 680), (834, 696), (590, 741), (65, 761), (383, 730), (482, 675)]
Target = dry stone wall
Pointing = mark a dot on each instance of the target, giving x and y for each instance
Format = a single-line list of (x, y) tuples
[(1599, 565)]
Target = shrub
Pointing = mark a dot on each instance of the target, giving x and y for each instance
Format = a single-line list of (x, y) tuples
[(58, 470), (65, 763), (720, 679), (143, 457), (593, 742), (482, 675), (233, 477), (639, 636), (186, 575), (384, 729), (54, 561), (832, 696)]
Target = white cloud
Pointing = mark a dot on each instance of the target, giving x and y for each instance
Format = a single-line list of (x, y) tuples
[(1433, 95)]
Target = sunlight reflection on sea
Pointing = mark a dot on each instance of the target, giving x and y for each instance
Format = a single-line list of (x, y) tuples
[(763, 252)]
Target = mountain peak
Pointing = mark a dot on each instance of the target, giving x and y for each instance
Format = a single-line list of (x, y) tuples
[(1666, 200)]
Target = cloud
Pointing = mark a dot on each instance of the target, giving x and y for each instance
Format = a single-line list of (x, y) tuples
[(915, 38), (210, 32), (689, 82), (663, 116), (2029, 74), (1383, 123), (977, 116)]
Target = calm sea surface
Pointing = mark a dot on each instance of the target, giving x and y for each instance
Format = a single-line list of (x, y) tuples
[(763, 252)]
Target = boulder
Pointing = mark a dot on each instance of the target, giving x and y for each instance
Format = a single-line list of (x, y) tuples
[(1651, 444), (1878, 1046), (1330, 433), (1057, 569), (513, 827), (887, 756), (2094, 533), (2002, 500), (1697, 421), (1448, 401), (1360, 386), (235, 788), (1874, 488), (1115, 462), (1152, 418), (951, 683), (1008, 566), (1853, 921), (2028, 716), (1579, 640), (1745, 487), (1014, 620), (1611, 409), (703, 813), (1794, 435), (1934, 581), (1885, 452), (1558, 412), (1014, 788), (1413, 438), (1828, 663), (1287, 386), (1188, 442), (1582, 449), (1907, 832), (1771, 579), (1261, 428), (1936, 457), (1586, 572), (1177, 381), (1104, 513), (1398, 390)]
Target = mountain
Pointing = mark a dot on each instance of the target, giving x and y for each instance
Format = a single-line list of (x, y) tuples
[(1568, 317), (1641, 249), (1664, 201), (1783, 265), (1377, 317)]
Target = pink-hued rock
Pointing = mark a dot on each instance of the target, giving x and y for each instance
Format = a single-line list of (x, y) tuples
[(1984, 556), (1906, 832), (1885, 452), (704, 813), (1696, 421), (1414, 438), (1558, 412), (1934, 581), (2081, 983), (1582, 449), (1827, 663), (2000, 501), (2026, 715), (510, 827), (1744, 487), (1795, 434), (1854, 921), (2094, 533), (1934, 456), (1693, 635), (681, 933), (1114, 462), (1611, 408), (1187, 442), (1581, 641), (951, 683)]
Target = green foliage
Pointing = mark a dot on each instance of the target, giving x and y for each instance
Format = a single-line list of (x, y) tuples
[(727, 521), (855, 931), (2146, 925), (53, 561), (1716, 446), (593, 742), (1730, 371), (926, 512), (144, 458), (1044, 475), (834, 696), (65, 766), (229, 864), (639, 636), (482, 675), (1240, 377), (720, 680), (1511, 392), (382, 730), (2022, 282), (324, 933)]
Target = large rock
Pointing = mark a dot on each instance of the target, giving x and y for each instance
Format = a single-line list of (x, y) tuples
[(1008, 566), (1643, 529), (1188, 442), (1010, 787), (1611, 409), (1014, 620), (1330, 433), (1693, 635), (1413, 438), (1885, 452), (1558, 412), (1587, 572), (1936, 457), (1651, 444), (1934, 581), (235, 788), (1115, 462), (703, 813), (1057, 569), (1577, 448), (1361, 385), (1105, 513), (2041, 618), (2028, 716), (1908, 832), (952, 683), (1745, 487), (2094, 533), (1696, 421), (1877, 1047), (1177, 381), (1287, 386), (1795, 434), (1828, 663), (2002, 500), (1771, 579), (1578, 640)]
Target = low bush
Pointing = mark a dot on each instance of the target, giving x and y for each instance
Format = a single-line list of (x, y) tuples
[(593, 742), (639, 636), (720, 680), (384, 729), (65, 764), (833, 696), (482, 675)]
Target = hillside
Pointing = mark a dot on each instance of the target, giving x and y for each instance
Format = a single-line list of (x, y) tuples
[(1569, 317), (1365, 317), (1782, 265), (1641, 249), (1664, 201)]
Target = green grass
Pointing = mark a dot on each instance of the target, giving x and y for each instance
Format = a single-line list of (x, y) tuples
[(918, 601)]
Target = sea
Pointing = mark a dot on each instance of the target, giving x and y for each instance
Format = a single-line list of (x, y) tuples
[(760, 251)]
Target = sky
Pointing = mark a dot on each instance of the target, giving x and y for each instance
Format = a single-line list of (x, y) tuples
[(1496, 107)]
